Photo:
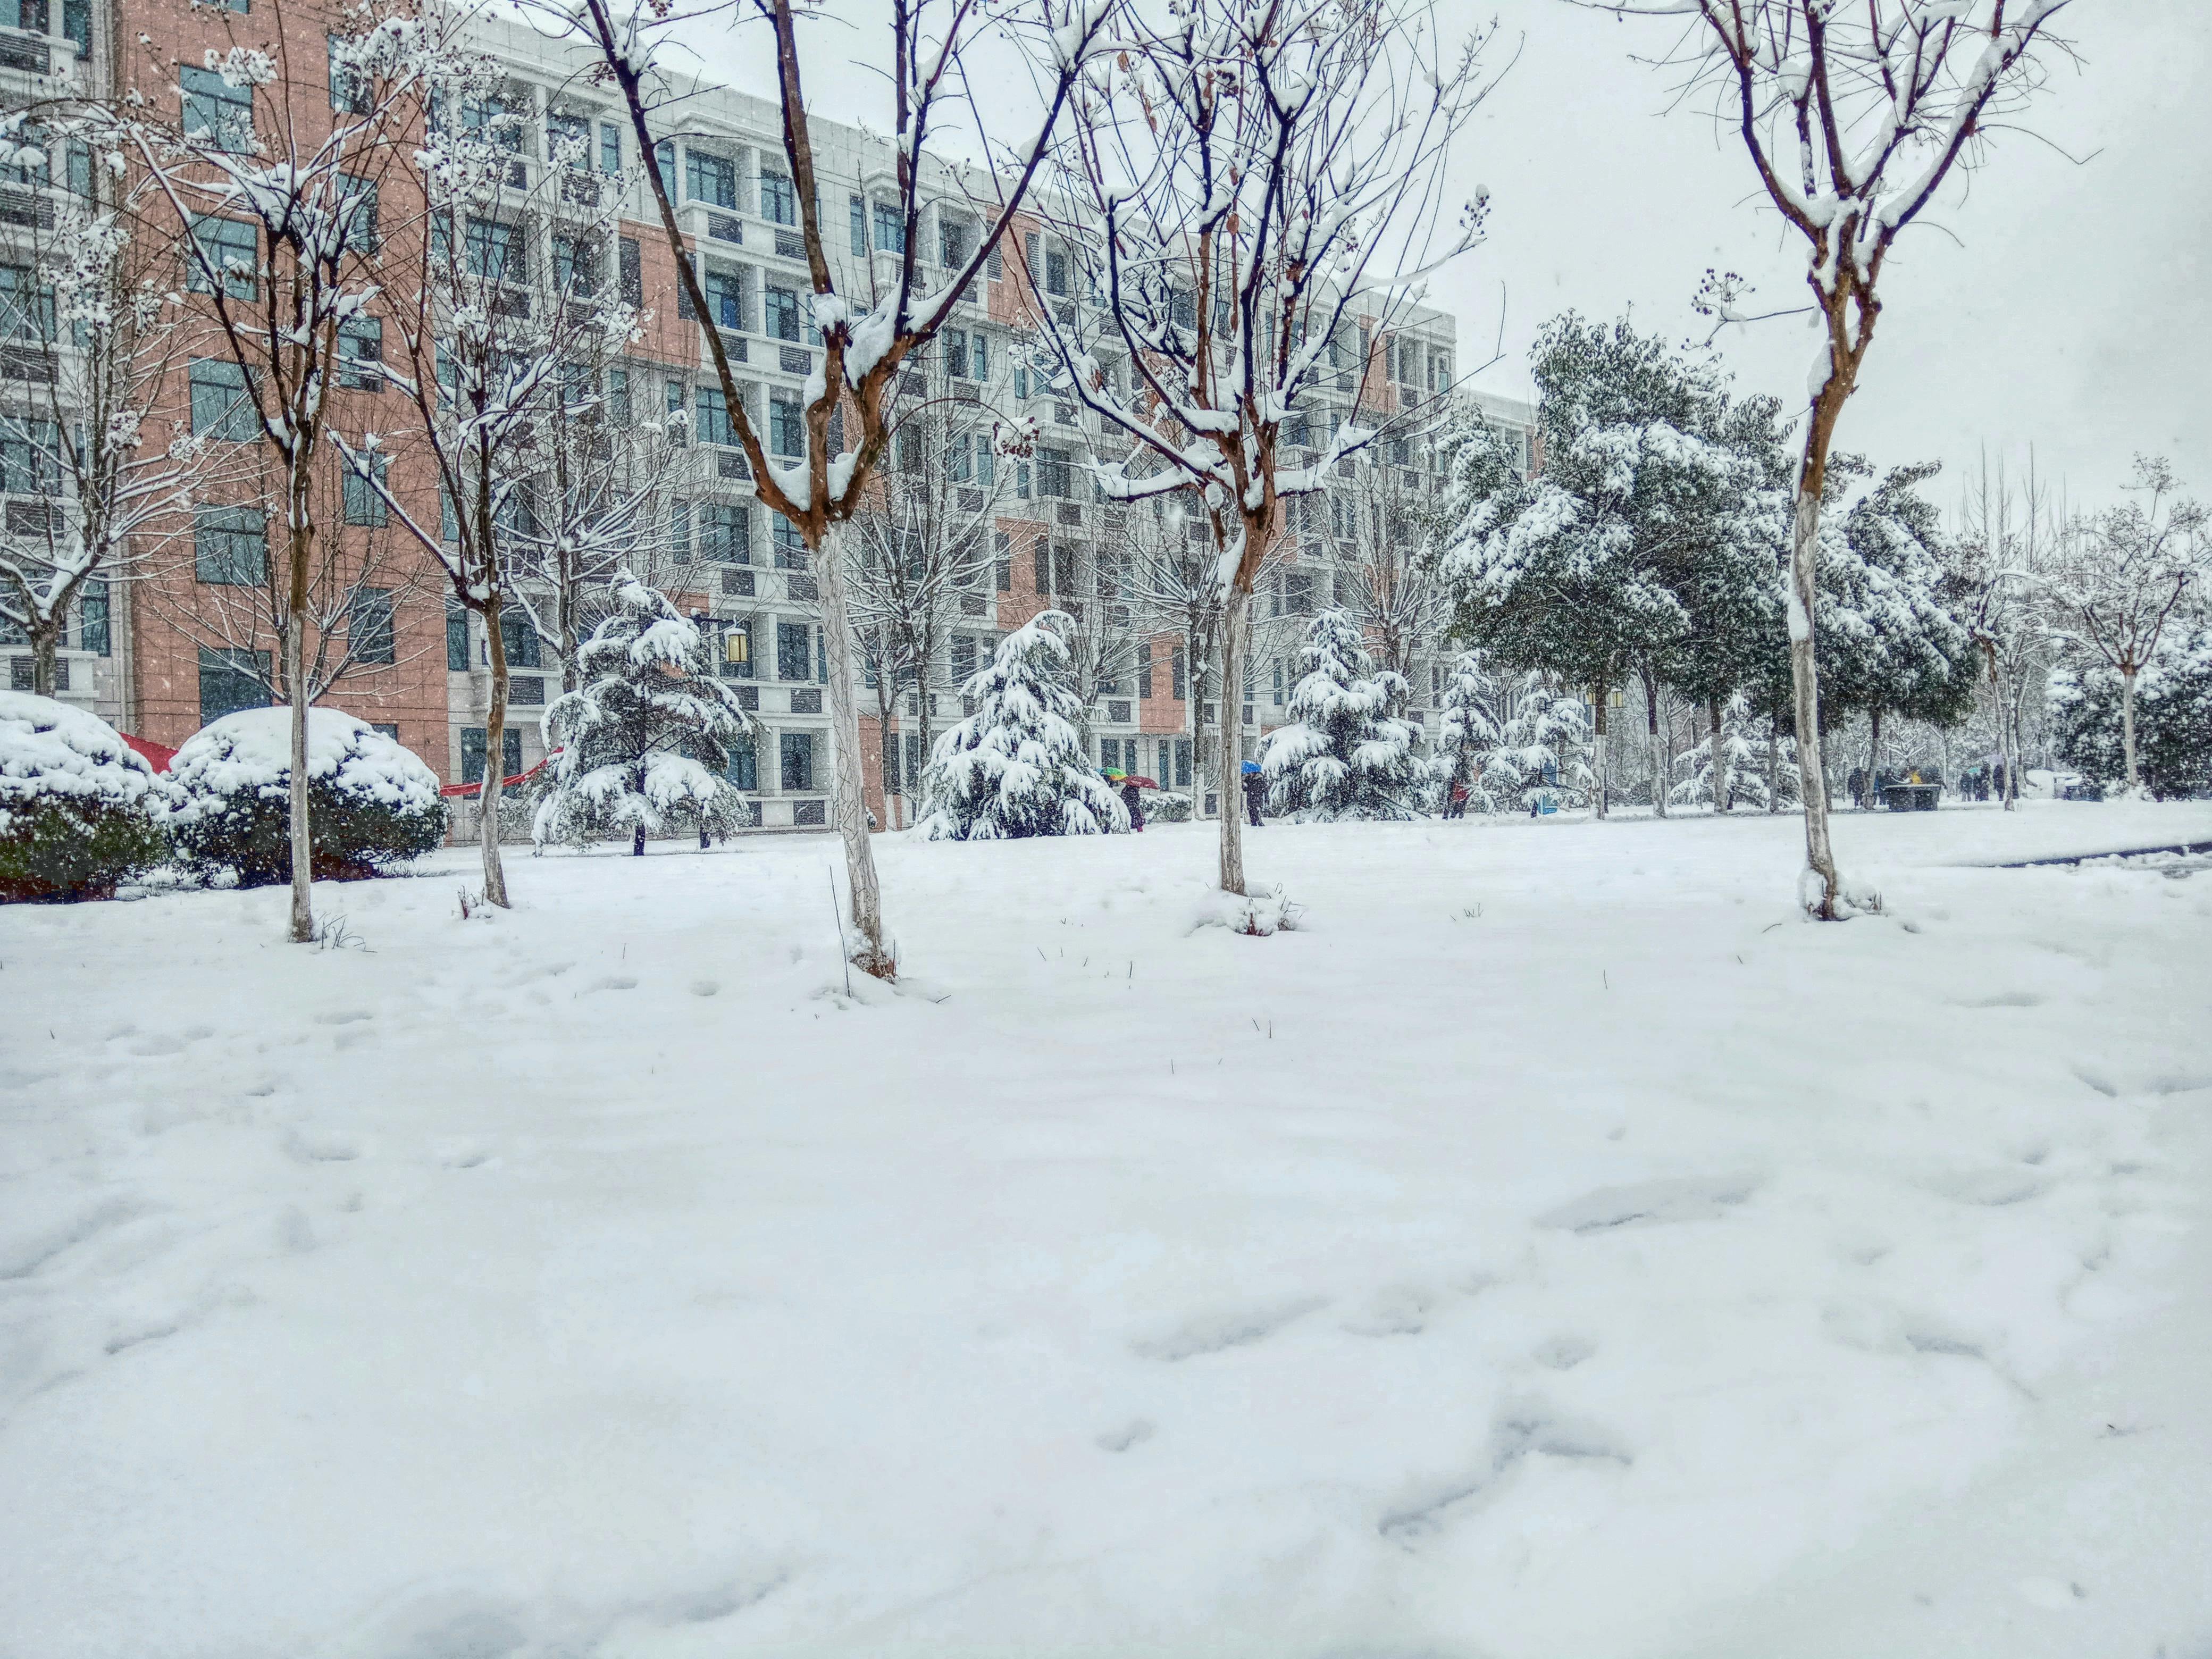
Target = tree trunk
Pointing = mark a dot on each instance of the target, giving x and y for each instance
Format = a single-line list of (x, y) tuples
[(495, 778), (1192, 707), (637, 840), (1805, 676), (848, 800), (1233, 646), (2009, 793), (1720, 784), (1773, 764), (300, 545), (1600, 783), (1874, 749), (2128, 726), (45, 647), (1658, 745)]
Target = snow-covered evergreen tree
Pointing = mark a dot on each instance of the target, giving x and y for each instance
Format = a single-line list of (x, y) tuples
[(1743, 738), (1344, 752), (1543, 753), (1016, 767), (2173, 718), (645, 744), (1468, 732)]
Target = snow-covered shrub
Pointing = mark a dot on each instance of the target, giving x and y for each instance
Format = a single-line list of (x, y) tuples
[(2173, 719), (80, 808), (1015, 766), (1543, 749), (645, 742), (1467, 733), (1743, 750), (1344, 753), (1262, 912), (371, 803), (1165, 807)]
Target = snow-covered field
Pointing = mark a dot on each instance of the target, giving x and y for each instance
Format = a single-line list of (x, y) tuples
[(1553, 1249)]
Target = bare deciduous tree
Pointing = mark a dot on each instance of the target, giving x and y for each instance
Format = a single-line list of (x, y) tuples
[(269, 156), (1249, 197), (2120, 576), (863, 341), (1853, 118)]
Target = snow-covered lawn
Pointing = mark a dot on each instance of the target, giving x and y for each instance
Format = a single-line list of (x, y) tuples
[(1553, 1249)]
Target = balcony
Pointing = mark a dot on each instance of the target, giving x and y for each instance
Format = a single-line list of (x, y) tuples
[(806, 699), (790, 245), (794, 360), (28, 207)]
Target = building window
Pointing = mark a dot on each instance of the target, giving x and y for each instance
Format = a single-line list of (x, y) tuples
[(1055, 480), (790, 546), (363, 501), (744, 769), (609, 146), (1055, 273), (726, 533), (726, 298), (632, 255), (517, 635), (779, 202), (710, 179), (1179, 674), (93, 633), (221, 407), (229, 248), (1144, 668), (797, 748), (474, 740), (859, 227), (952, 245), (495, 251), (576, 265), (230, 681), (27, 305), (748, 668), (29, 457), (714, 424), (351, 91), (457, 639), (230, 546), (786, 426), (782, 309), (679, 532), (215, 113), (794, 651), (360, 354), (891, 228), (370, 635)]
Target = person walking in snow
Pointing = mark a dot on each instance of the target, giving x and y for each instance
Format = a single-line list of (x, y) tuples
[(1255, 795), (1135, 807)]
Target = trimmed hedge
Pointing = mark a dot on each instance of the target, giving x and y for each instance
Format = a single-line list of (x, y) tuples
[(371, 803), (80, 810)]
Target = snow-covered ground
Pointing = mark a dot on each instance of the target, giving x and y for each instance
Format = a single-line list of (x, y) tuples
[(1552, 1249)]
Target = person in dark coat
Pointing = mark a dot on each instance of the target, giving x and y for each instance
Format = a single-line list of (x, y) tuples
[(1456, 803), (1858, 784), (1255, 795), (1135, 807)]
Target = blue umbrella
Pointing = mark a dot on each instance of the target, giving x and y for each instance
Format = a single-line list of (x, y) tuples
[(1251, 766)]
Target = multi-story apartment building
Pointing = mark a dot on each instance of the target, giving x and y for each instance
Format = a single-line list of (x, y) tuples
[(144, 655)]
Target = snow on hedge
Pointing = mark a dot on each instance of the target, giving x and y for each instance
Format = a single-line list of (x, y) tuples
[(252, 751), (49, 751)]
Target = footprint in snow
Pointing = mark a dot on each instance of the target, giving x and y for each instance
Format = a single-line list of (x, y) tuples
[(1134, 1433), (1687, 1198), (347, 1017), (1212, 1332), (704, 988), (610, 982), (1564, 1353), (1402, 1310)]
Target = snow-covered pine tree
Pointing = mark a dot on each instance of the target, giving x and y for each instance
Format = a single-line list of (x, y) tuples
[(1344, 753), (1543, 752), (1743, 745), (1468, 732), (645, 743), (1015, 766)]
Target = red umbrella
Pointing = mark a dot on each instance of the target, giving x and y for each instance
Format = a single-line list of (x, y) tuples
[(1141, 783)]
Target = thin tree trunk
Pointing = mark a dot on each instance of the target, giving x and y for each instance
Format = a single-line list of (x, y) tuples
[(848, 800), (2128, 726), (45, 647), (302, 548), (2006, 760), (1193, 706), (1874, 747), (1232, 745), (1773, 764), (1805, 678), (1658, 745), (495, 873), (1601, 783), (1720, 785)]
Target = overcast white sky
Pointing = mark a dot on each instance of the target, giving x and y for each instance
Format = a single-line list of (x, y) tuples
[(2055, 305)]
